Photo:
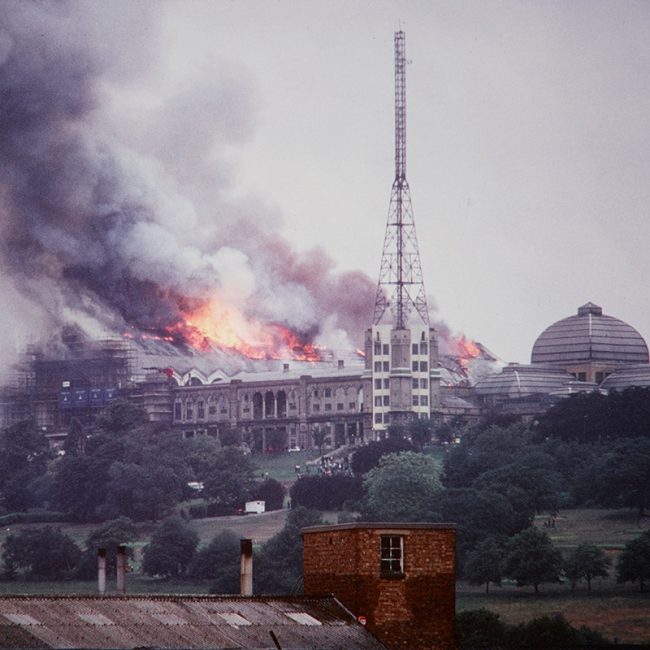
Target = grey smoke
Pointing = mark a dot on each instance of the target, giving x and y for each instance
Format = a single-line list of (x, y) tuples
[(109, 221)]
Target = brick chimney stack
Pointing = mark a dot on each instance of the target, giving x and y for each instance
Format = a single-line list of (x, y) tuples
[(397, 578)]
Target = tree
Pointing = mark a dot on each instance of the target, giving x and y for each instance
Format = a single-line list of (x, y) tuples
[(219, 561), (485, 563), (532, 474), (75, 441), (552, 632), (403, 487), (623, 476), (326, 492), (319, 436), (271, 492), (478, 514), (482, 451), (149, 488), (114, 533), (121, 417), (367, 457), (634, 561), (279, 565), (586, 561), (229, 482), (171, 549), (24, 454), (531, 559), (480, 628), (42, 553), (420, 431)]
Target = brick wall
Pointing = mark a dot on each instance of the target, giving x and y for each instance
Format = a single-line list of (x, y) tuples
[(414, 610)]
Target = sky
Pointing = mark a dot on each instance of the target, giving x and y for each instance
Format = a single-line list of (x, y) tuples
[(528, 139)]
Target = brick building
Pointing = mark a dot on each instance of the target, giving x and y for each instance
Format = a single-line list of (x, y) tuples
[(397, 578)]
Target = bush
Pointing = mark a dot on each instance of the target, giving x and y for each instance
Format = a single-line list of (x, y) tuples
[(326, 492), (41, 553), (171, 549), (271, 492), (109, 536), (367, 457), (481, 628)]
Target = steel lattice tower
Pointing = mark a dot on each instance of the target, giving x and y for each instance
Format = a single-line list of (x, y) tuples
[(400, 286)]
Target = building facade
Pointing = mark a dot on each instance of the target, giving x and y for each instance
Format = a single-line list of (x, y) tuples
[(398, 579)]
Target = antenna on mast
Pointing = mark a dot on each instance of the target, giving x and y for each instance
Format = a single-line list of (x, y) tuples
[(400, 286)]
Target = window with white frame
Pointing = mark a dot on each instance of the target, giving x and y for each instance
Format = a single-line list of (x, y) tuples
[(392, 555)]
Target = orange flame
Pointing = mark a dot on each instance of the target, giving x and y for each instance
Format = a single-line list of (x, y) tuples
[(216, 325), (465, 349)]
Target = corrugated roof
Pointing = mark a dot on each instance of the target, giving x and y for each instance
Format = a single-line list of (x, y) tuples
[(589, 336), (178, 622)]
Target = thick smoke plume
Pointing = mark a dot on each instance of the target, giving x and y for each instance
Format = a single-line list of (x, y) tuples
[(118, 218)]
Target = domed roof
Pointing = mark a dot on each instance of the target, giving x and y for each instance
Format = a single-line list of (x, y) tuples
[(589, 336)]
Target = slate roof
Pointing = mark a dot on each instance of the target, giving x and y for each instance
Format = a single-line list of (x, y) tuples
[(589, 336), (215, 622)]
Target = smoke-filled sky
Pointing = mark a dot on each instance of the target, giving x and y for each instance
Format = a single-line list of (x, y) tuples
[(161, 159)]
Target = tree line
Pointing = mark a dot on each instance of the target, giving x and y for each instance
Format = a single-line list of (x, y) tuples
[(126, 466), (47, 553)]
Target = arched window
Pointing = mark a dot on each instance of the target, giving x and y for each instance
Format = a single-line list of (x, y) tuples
[(269, 404), (282, 404), (257, 406)]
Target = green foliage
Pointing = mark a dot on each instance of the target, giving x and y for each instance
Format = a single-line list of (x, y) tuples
[(140, 474), (326, 492), (484, 564), (230, 480), (531, 476), (114, 533), (40, 553), (478, 514), (271, 492), (621, 477), (367, 457), (420, 432), (24, 454), (220, 562), (171, 549), (121, 417), (552, 632), (279, 565), (531, 559), (319, 436), (75, 442), (481, 628), (593, 417), (403, 487), (634, 561), (585, 562)]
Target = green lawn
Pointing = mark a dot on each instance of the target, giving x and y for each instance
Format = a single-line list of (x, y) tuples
[(282, 467), (616, 611)]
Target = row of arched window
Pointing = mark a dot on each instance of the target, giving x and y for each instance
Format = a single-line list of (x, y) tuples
[(270, 404)]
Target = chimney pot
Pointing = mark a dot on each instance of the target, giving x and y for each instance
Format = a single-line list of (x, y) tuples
[(101, 570), (246, 572), (121, 569)]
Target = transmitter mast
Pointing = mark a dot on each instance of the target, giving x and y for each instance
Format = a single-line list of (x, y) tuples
[(400, 286)]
